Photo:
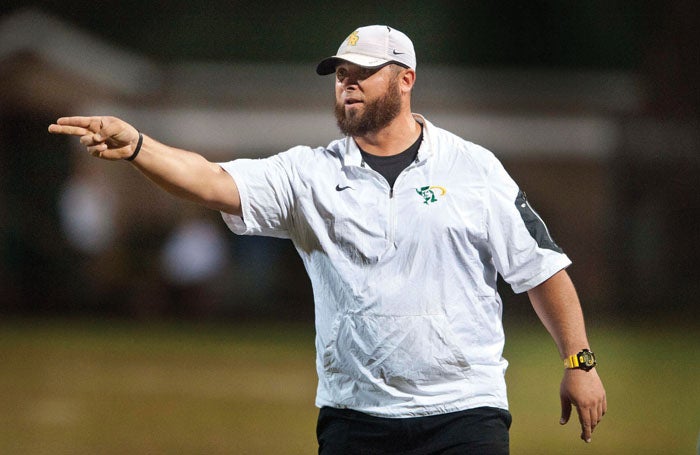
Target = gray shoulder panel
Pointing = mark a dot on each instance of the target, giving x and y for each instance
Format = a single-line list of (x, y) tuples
[(535, 226)]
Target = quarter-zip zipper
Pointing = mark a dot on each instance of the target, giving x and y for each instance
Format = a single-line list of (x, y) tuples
[(392, 216), (392, 206), (391, 220), (391, 234)]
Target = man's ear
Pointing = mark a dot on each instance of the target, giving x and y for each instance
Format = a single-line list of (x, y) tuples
[(408, 79)]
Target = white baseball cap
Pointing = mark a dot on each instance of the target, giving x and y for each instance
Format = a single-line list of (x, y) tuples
[(372, 46)]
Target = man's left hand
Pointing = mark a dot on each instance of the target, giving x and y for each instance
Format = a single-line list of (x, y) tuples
[(584, 390)]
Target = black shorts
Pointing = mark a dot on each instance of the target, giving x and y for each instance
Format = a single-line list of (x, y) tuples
[(475, 431)]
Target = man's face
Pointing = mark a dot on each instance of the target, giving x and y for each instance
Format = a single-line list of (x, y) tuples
[(367, 99)]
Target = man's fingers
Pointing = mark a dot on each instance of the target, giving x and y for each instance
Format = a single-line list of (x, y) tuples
[(584, 391), (589, 418), (77, 126), (99, 147), (604, 406), (95, 124), (90, 140), (83, 122), (104, 137), (69, 130), (586, 430)]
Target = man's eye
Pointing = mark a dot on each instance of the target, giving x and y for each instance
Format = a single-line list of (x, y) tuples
[(365, 73), (359, 74)]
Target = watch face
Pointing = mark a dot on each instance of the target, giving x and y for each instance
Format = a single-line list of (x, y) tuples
[(586, 359)]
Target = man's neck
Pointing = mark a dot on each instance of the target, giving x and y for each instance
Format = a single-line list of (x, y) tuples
[(392, 139)]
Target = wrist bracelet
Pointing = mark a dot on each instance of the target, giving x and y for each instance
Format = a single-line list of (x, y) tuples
[(138, 148)]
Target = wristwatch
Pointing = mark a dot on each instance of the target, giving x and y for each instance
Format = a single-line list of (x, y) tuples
[(584, 360)]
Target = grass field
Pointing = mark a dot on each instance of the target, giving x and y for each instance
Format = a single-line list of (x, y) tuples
[(100, 387)]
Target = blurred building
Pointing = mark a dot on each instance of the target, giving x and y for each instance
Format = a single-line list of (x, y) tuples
[(605, 168)]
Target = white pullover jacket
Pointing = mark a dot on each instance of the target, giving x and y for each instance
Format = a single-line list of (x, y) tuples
[(408, 318)]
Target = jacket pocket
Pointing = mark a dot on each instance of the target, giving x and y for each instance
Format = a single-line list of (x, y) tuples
[(399, 351)]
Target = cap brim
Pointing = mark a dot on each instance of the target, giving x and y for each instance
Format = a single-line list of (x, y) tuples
[(327, 66)]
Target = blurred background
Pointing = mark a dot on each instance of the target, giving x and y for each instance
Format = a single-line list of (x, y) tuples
[(593, 107)]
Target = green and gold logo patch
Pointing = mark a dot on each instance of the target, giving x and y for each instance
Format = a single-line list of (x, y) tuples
[(431, 193)]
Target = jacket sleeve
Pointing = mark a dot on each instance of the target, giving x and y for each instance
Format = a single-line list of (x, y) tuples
[(266, 187), (521, 246)]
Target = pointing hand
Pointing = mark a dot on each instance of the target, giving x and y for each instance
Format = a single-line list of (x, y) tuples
[(108, 138)]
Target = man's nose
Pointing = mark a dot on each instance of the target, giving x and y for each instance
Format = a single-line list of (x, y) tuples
[(349, 82)]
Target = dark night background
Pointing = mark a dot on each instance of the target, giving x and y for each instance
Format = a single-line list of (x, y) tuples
[(653, 237), (134, 322), (592, 34)]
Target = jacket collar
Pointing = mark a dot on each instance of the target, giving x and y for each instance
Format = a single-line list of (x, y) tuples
[(353, 157)]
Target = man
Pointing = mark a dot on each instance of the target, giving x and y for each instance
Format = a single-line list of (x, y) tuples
[(403, 228)]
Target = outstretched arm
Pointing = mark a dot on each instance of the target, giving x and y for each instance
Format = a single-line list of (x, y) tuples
[(556, 303), (185, 174)]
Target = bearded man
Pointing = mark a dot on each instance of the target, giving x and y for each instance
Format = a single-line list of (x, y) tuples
[(403, 229)]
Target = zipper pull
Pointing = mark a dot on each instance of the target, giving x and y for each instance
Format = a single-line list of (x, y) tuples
[(391, 192)]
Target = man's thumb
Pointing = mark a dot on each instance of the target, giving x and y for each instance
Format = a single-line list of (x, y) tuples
[(565, 411)]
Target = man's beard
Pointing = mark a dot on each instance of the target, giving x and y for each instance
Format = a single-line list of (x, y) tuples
[(376, 115)]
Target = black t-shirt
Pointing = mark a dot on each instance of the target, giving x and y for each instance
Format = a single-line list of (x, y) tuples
[(391, 166)]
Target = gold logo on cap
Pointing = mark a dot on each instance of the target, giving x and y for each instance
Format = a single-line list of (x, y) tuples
[(352, 39)]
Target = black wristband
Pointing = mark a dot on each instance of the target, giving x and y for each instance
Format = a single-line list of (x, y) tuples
[(138, 148)]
